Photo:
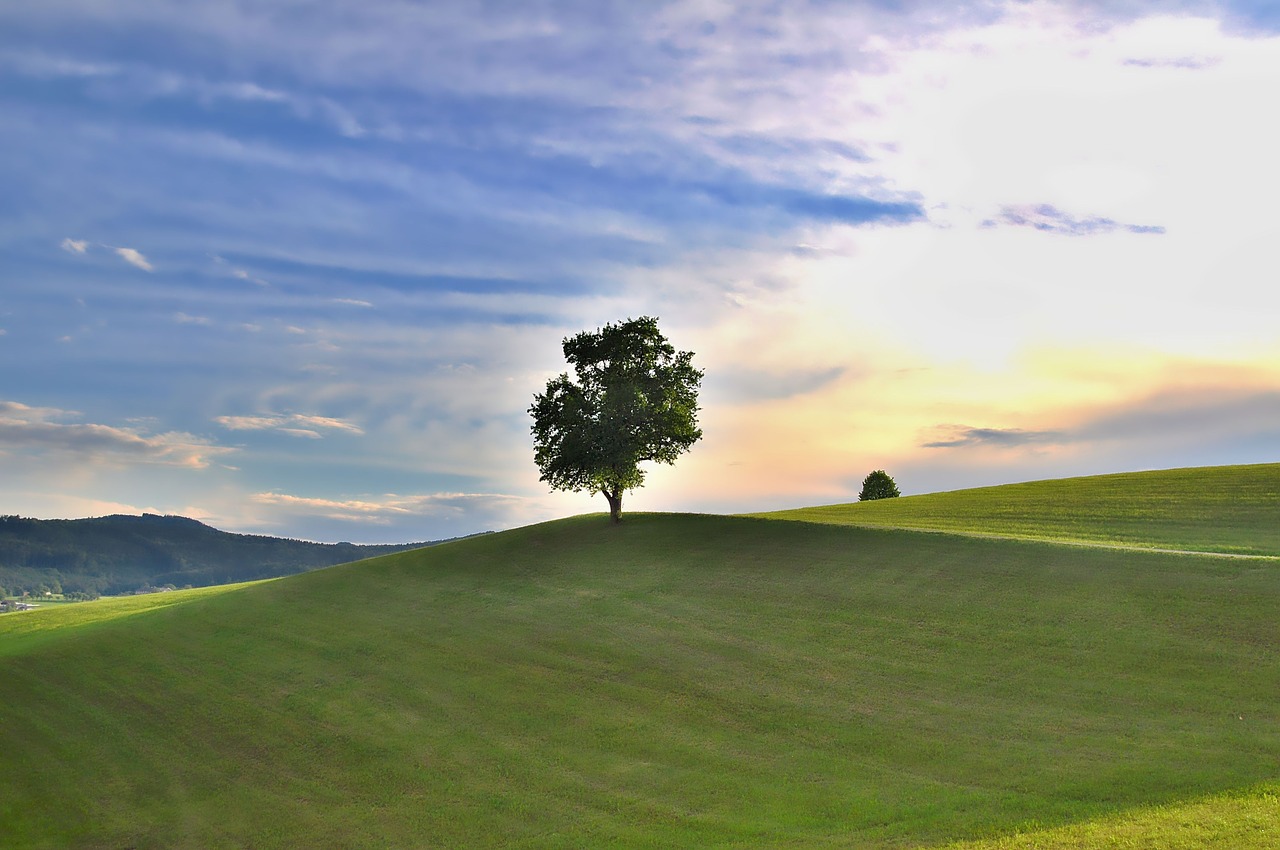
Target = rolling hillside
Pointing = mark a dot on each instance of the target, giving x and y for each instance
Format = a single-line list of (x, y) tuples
[(1225, 509), (677, 681)]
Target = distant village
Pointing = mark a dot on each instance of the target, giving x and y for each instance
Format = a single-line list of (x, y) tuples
[(7, 605), (24, 603)]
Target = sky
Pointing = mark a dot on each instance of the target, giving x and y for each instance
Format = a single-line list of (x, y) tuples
[(299, 268)]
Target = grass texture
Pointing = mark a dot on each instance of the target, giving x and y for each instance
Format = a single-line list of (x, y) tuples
[(1227, 509), (676, 681)]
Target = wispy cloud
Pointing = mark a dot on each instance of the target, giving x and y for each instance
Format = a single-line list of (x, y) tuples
[(242, 274), (238, 273), (142, 81), (1192, 63), (40, 431), (965, 436), (134, 258), (1050, 219), (294, 424), (390, 507), (1196, 417)]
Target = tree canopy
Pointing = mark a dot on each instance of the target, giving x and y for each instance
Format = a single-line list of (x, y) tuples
[(878, 485), (633, 399)]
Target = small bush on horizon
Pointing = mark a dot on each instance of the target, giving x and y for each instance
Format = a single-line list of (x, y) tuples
[(878, 485)]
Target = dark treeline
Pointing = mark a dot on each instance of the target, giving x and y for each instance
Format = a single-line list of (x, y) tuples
[(85, 558)]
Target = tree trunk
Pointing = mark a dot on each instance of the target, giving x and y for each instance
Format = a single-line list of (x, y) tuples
[(615, 504)]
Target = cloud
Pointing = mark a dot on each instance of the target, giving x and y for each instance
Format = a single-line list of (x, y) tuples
[(37, 431), (320, 109), (248, 423), (1194, 417), (1049, 219), (374, 510), (12, 409), (130, 255), (353, 302), (1184, 62), (325, 422), (184, 319), (294, 424), (141, 81), (503, 118), (134, 258), (390, 507), (964, 436), (242, 274), (236, 272), (301, 432)]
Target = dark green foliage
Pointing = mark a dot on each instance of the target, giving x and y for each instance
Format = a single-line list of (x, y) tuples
[(121, 554), (878, 485), (635, 399)]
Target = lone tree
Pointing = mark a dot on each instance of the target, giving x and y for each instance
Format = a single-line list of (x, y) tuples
[(878, 485), (635, 399)]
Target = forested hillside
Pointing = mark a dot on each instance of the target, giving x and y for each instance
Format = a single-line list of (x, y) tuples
[(122, 554)]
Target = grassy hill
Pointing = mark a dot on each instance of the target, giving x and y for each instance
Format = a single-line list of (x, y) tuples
[(1226, 509), (678, 681)]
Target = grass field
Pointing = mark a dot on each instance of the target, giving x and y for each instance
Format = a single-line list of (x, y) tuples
[(678, 681), (1227, 509)]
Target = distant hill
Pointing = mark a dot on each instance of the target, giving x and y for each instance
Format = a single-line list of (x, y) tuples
[(122, 554), (1223, 509)]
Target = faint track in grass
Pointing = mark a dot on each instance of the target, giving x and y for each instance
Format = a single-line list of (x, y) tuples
[(1027, 538), (1223, 512)]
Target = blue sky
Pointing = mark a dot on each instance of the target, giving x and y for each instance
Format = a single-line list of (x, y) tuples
[(299, 268)]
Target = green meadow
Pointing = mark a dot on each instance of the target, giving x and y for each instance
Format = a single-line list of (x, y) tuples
[(1227, 509), (681, 681)]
